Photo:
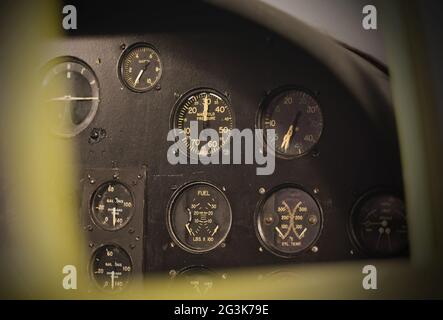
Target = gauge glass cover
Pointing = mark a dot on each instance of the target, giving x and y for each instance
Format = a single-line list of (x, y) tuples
[(199, 217), (112, 206), (111, 268), (288, 221), (297, 119), (71, 92)]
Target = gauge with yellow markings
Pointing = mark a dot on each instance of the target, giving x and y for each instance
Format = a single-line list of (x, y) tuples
[(288, 221), (140, 67), (297, 119), (199, 217), (203, 109)]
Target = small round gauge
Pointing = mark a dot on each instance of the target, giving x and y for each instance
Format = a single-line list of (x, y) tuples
[(140, 67), (199, 217), (205, 108), (71, 91), (378, 225), (288, 221), (297, 119), (112, 206), (111, 268), (200, 279)]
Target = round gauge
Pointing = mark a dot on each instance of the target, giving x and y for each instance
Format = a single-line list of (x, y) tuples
[(199, 217), (140, 67), (200, 279), (112, 206), (378, 225), (111, 268), (204, 108), (297, 119), (288, 221), (72, 94)]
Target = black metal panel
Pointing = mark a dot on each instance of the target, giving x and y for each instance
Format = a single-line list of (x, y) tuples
[(245, 62)]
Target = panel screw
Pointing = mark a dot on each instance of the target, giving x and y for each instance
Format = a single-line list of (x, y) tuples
[(91, 245), (313, 219), (224, 276), (172, 245), (314, 249), (172, 273), (316, 191), (131, 230), (261, 190), (123, 46), (137, 238), (132, 246), (223, 245), (260, 249)]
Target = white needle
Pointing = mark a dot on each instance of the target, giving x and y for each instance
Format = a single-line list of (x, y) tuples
[(138, 77), (301, 234), (215, 230), (205, 109), (70, 98), (287, 138), (114, 213), (112, 279), (280, 233)]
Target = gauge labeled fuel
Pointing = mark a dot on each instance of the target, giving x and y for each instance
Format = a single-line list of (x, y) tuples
[(71, 93), (297, 119), (288, 221), (203, 109), (140, 67), (199, 217), (112, 206), (111, 268), (378, 225)]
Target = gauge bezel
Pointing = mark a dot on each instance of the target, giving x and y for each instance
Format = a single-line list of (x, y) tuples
[(169, 212), (259, 208), (185, 96), (265, 103), (91, 206), (125, 52), (382, 191), (91, 272), (94, 107)]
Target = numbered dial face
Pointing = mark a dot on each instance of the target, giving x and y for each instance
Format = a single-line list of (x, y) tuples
[(112, 206), (297, 120), (140, 67), (379, 225), (199, 217), (203, 109), (111, 268), (288, 221), (199, 280), (71, 93)]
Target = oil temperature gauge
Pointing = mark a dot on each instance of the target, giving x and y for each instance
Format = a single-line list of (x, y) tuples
[(199, 217), (111, 268), (288, 221), (112, 206)]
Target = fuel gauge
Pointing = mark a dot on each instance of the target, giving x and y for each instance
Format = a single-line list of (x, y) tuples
[(199, 217)]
